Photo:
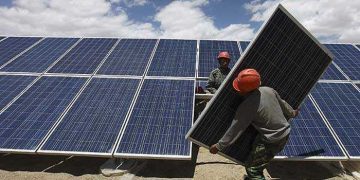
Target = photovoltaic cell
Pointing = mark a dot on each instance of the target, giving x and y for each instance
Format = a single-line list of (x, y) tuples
[(2, 38), (208, 52), (244, 45), (84, 57), (94, 121), (159, 121), (288, 60), (174, 58), (41, 56), (130, 57), (12, 46), (26, 122), (347, 57), (332, 73), (340, 103), (309, 136), (11, 86)]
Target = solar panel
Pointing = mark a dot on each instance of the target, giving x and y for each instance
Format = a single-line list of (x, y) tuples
[(244, 45), (12, 46), (94, 121), (26, 122), (174, 58), (201, 83), (11, 86), (41, 56), (288, 58), (347, 57), (2, 38), (340, 103), (332, 73), (129, 57), (209, 51), (162, 115), (310, 137), (85, 57)]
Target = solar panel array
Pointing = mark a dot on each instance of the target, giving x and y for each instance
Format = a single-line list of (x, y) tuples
[(135, 97)]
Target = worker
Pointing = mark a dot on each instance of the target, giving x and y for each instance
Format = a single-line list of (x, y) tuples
[(267, 113), (218, 75)]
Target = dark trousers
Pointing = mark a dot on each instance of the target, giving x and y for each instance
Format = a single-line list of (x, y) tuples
[(261, 154)]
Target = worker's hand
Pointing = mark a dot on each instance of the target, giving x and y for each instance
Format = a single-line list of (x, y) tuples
[(296, 112), (214, 149)]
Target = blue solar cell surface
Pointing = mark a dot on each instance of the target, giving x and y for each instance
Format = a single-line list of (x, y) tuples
[(347, 57), (130, 57), (41, 56), (2, 38), (84, 57), (201, 83), (244, 45), (12, 46), (332, 73), (340, 103), (309, 136), (11, 86), (94, 121), (160, 119), (26, 122), (208, 52), (174, 58)]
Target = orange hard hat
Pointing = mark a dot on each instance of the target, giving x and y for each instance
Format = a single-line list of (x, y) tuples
[(224, 54), (247, 80)]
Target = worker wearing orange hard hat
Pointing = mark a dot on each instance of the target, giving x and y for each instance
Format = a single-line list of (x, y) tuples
[(264, 109), (218, 75)]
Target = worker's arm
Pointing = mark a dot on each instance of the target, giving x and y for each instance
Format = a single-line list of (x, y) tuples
[(287, 110), (243, 117), (211, 83)]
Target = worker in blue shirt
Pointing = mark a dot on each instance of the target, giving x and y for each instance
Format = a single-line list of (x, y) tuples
[(264, 109)]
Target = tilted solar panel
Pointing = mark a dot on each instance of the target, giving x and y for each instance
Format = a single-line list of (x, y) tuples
[(41, 56), (347, 57), (84, 57), (26, 122), (129, 57), (93, 123), (174, 58), (208, 52), (1, 38), (310, 137), (12, 46), (289, 60), (162, 115), (11, 86), (332, 73), (340, 104)]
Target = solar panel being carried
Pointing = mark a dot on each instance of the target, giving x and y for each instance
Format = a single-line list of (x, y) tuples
[(84, 57), (208, 52), (12, 46), (162, 115), (310, 137), (289, 60), (340, 104), (93, 123), (174, 58), (40, 57), (25, 123), (129, 57), (347, 57)]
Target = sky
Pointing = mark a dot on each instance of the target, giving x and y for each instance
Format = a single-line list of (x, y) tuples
[(335, 21)]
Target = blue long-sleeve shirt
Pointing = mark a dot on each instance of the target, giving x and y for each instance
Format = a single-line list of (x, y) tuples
[(266, 111)]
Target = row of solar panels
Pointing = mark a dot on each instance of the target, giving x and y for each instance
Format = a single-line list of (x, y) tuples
[(175, 58)]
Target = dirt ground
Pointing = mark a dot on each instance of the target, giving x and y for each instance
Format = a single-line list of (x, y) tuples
[(202, 166)]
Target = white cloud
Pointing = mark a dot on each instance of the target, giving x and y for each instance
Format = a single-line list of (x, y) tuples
[(131, 3), (331, 21), (69, 18), (185, 19)]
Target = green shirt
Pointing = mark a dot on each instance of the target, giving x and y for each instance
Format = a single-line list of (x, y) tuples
[(216, 77)]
